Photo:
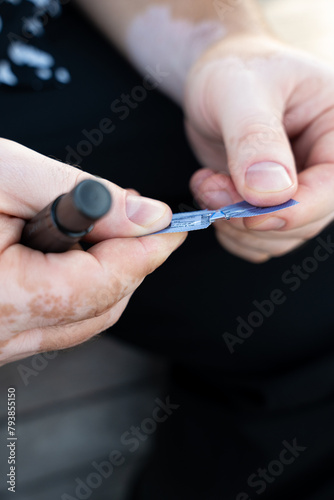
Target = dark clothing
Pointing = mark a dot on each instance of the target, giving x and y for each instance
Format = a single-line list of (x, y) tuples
[(26, 47), (251, 347)]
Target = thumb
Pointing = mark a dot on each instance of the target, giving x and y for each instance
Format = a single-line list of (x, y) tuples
[(260, 159), (30, 181), (248, 116)]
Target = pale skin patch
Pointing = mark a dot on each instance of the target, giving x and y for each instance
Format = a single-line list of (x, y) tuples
[(155, 34)]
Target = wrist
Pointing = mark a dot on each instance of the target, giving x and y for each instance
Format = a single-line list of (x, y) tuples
[(174, 36), (157, 37)]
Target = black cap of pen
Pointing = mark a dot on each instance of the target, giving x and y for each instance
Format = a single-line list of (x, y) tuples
[(68, 218)]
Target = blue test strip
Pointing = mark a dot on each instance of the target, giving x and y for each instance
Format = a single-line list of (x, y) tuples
[(201, 219)]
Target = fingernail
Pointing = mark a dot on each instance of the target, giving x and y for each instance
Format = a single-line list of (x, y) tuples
[(144, 211), (271, 224), (216, 199), (268, 177)]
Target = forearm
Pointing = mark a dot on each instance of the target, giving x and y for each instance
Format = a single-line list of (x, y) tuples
[(171, 34)]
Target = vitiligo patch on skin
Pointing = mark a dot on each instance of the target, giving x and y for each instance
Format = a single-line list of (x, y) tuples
[(50, 321), (155, 37)]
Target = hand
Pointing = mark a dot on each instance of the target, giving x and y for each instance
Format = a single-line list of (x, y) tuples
[(54, 301), (260, 117)]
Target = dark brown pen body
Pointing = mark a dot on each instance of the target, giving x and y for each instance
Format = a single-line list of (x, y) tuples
[(66, 220)]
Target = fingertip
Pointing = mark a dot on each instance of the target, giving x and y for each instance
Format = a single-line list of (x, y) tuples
[(151, 215), (268, 177), (199, 177), (269, 183), (216, 191)]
